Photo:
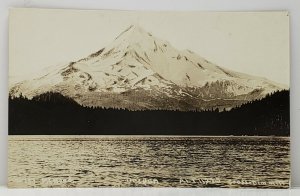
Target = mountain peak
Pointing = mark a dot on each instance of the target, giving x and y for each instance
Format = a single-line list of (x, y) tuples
[(136, 28), (133, 31), (133, 38)]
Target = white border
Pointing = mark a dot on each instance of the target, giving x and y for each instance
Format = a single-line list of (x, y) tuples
[(149, 192), (293, 6)]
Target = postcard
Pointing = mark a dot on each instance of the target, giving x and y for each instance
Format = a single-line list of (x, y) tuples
[(107, 98)]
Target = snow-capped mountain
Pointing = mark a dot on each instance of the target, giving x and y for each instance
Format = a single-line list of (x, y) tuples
[(139, 71)]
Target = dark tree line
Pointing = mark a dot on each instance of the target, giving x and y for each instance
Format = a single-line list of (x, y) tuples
[(54, 114)]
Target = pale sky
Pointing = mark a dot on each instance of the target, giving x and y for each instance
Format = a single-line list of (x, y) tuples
[(255, 43)]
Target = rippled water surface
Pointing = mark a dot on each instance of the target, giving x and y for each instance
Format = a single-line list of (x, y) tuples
[(123, 161)]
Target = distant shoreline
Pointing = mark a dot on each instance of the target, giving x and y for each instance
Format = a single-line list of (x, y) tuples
[(55, 114)]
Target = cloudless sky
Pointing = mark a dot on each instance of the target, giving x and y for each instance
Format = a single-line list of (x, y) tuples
[(255, 43)]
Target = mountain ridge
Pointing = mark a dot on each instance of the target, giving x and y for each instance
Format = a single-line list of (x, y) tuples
[(49, 114)]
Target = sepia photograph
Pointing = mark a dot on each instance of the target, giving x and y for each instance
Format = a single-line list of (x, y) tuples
[(102, 98)]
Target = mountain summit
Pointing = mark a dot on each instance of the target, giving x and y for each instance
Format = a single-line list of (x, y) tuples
[(138, 71)]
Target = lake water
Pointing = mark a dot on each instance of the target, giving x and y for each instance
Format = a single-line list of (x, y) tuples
[(148, 161)]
